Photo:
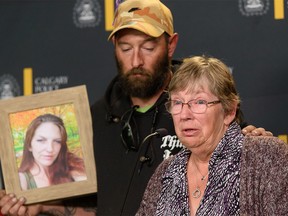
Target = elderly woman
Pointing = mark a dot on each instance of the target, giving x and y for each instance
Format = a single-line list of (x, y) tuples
[(220, 172)]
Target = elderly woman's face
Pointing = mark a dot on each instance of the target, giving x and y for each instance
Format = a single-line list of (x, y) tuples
[(199, 129)]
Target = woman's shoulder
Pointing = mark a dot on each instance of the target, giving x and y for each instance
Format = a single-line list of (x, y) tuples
[(264, 143), (263, 176), (160, 170), (23, 177), (264, 149), (162, 167)]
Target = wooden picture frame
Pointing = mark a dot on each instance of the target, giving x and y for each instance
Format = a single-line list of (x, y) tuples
[(15, 111)]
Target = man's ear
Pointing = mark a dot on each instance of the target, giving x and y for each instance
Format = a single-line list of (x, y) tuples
[(113, 40), (173, 40)]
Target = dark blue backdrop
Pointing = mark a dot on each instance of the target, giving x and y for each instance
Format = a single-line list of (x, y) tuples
[(43, 35)]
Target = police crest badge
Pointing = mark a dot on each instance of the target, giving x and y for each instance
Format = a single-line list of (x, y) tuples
[(87, 13)]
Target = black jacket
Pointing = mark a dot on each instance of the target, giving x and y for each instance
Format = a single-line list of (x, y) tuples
[(121, 176)]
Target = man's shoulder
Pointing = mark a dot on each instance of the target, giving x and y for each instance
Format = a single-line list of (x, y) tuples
[(98, 103), (98, 108)]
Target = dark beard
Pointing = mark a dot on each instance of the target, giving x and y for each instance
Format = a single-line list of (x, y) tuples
[(147, 85)]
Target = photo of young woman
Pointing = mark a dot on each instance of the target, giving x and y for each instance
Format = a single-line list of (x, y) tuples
[(46, 158)]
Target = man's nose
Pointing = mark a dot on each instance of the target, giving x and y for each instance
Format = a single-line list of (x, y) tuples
[(137, 59)]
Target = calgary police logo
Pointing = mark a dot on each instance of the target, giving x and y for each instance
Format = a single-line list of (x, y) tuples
[(9, 87), (253, 7), (87, 13)]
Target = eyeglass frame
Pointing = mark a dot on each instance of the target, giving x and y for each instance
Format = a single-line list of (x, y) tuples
[(168, 105)]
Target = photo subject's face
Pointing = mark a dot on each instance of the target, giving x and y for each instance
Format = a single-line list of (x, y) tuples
[(46, 144)]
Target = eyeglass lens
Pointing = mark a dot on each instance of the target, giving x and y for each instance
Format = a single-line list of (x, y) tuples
[(196, 106)]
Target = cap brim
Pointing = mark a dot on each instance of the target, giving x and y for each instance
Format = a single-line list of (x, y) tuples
[(146, 28)]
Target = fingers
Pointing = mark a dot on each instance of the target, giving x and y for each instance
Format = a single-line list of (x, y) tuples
[(2, 193), (269, 133), (253, 131), (22, 211), (264, 133), (11, 206), (258, 131), (248, 129), (261, 132), (4, 199)]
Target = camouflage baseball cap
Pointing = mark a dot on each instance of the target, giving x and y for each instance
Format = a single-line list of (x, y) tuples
[(148, 16)]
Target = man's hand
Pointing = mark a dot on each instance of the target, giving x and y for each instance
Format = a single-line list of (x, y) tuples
[(11, 206), (253, 131)]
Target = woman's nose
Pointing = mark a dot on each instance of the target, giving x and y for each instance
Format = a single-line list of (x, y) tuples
[(186, 112), (49, 146)]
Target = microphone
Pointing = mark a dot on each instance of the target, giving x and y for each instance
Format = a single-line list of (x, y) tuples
[(161, 132), (158, 133)]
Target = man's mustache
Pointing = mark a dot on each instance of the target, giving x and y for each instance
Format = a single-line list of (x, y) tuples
[(138, 71)]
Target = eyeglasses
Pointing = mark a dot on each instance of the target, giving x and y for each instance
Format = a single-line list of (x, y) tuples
[(129, 134), (196, 106)]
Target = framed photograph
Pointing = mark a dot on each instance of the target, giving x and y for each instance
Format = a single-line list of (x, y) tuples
[(46, 145)]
